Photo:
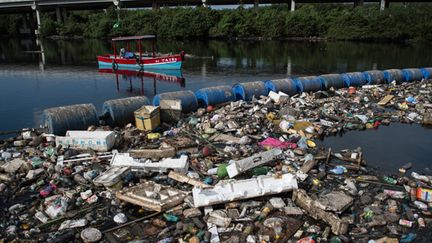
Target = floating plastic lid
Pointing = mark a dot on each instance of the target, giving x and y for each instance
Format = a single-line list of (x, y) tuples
[(91, 235)]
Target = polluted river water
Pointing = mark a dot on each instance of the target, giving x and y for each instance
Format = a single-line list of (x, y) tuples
[(283, 184), (68, 74), (389, 147)]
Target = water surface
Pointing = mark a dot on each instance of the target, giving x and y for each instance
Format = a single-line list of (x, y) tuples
[(389, 147), (68, 74)]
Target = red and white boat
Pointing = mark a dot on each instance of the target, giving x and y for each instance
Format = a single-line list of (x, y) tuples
[(127, 60)]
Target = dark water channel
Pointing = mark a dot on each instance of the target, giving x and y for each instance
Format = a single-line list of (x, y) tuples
[(67, 73), (390, 147)]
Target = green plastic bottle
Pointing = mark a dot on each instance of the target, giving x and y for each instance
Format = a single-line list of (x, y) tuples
[(222, 171), (261, 170)]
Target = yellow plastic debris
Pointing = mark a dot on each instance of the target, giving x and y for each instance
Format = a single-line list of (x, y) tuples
[(153, 135), (403, 106), (270, 116), (310, 144), (301, 125)]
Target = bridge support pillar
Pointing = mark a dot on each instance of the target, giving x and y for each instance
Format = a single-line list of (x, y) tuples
[(155, 5), (59, 15), (358, 3), (384, 4), (38, 18), (292, 5)]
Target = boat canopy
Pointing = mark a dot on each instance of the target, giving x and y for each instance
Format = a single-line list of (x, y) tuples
[(140, 37)]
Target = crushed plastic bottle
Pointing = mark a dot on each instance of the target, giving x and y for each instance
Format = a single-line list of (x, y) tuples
[(408, 238), (170, 217), (417, 176), (47, 190), (390, 180), (338, 170)]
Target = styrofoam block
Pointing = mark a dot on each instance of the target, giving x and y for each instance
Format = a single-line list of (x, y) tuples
[(231, 190)]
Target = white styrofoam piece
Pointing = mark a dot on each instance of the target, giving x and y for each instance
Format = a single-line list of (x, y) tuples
[(110, 176), (276, 97), (231, 190), (240, 166), (212, 228), (180, 165), (96, 140)]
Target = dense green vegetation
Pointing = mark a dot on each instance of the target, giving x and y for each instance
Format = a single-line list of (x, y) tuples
[(344, 22)]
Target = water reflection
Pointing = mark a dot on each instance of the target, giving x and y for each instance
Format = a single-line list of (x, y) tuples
[(130, 77), (49, 73)]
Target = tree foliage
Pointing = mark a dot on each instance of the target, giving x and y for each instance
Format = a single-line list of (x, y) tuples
[(399, 22)]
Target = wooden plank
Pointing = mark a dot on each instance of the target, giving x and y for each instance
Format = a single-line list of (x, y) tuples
[(386, 100), (301, 198)]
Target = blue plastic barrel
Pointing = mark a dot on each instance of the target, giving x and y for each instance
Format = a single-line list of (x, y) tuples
[(427, 72), (73, 117), (246, 91), (333, 80), (120, 112), (412, 74), (374, 77), (309, 84), (188, 99), (391, 75), (355, 79), (288, 86), (214, 95)]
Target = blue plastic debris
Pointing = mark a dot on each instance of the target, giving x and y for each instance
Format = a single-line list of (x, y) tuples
[(408, 238), (338, 170)]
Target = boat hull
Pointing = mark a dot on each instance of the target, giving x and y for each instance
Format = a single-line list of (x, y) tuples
[(166, 62)]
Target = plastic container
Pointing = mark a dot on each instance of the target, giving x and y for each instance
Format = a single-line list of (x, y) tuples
[(214, 95), (309, 84), (288, 86), (74, 117), (412, 74), (188, 99), (391, 75), (246, 91), (427, 72), (333, 80), (374, 77), (120, 112), (355, 79)]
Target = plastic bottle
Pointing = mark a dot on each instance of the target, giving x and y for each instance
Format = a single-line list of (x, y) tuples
[(261, 170), (413, 193), (420, 205), (390, 180), (248, 230), (406, 223), (265, 212), (424, 194), (47, 190), (222, 171), (278, 231), (421, 222), (419, 177), (170, 217)]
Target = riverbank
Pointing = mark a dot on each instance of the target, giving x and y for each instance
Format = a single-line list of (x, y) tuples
[(339, 22)]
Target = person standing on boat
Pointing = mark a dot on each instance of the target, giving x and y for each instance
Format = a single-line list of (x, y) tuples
[(126, 54)]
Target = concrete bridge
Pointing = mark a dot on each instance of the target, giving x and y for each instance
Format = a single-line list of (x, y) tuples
[(61, 6)]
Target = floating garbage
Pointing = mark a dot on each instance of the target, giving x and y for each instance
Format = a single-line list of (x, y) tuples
[(257, 161)]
